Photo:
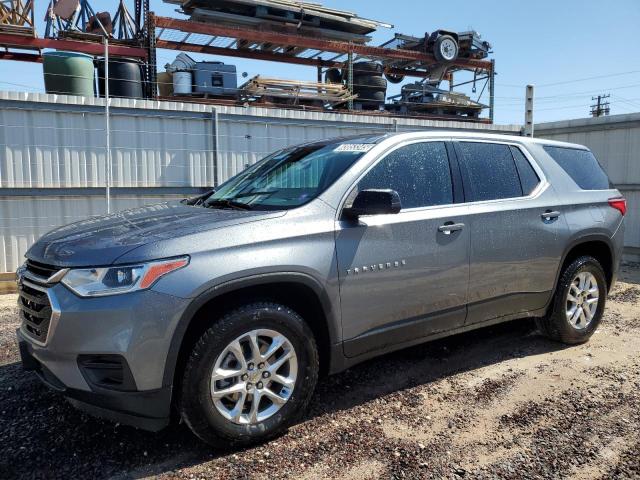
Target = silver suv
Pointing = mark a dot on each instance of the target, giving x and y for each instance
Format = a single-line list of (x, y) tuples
[(224, 309)]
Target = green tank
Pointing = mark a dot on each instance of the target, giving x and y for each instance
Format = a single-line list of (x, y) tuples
[(68, 73)]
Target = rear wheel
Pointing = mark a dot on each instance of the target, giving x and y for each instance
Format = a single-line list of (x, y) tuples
[(578, 303), (249, 376)]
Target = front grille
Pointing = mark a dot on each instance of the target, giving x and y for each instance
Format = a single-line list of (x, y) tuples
[(35, 312), (40, 269)]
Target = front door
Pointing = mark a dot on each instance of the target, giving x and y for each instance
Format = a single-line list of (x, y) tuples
[(404, 276)]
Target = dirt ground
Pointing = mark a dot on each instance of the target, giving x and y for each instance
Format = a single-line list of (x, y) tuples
[(502, 402)]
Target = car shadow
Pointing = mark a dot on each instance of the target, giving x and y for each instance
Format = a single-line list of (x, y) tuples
[(42, 436), (629, 272)]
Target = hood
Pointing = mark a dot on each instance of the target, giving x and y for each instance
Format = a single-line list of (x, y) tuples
[(100, 241)]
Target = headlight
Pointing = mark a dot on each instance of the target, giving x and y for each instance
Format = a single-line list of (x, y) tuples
[(97, 282)]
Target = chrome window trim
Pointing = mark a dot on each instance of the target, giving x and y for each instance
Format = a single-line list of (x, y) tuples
[(381, 157), (542, 186)]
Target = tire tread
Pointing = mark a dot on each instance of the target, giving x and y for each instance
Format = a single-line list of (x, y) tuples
[(554, 324), (219, 328)]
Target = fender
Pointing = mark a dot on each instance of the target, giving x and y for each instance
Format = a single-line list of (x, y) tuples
[(592, 237), (333, 323)]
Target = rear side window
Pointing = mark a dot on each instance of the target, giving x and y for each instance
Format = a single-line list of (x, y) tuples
[(528, 177), (581, 166), (489, 172), (419, 172)]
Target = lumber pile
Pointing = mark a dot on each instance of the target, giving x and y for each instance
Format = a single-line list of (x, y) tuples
[(295, 92)]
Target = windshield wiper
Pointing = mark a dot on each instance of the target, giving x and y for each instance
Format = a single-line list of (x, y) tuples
[(228, 204), (232, 203), (255, 192), (199, 199)]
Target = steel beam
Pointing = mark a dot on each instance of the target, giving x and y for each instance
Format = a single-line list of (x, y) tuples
[(189, 26), (91, 48), (270, 56), (21, 57)]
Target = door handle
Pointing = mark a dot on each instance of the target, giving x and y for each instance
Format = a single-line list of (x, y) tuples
[(449, 227), (550, 215)]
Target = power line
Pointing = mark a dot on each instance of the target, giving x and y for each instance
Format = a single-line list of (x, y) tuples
[(584, 79)]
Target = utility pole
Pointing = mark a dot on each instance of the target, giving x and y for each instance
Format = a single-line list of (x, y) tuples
[(492, 90), (105, 41), (528, 112), (107, 129), (601, 108)]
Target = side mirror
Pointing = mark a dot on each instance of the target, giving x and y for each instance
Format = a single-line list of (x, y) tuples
[(374, 202)]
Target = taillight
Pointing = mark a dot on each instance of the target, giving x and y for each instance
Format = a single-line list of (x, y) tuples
[(619, 204)]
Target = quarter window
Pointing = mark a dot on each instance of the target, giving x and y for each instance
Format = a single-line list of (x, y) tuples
[(581, 166), (528, 177), (489, 171), (419, 172)]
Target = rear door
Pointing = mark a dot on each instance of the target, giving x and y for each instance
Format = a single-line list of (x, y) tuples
[(516, 228), (404, 276)]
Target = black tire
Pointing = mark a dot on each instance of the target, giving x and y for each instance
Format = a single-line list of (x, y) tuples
[(367, 68), (196, 405), (394, 78), (333, 75), (371, 94), (363, 81), (369, 105), (438, 53), (555, 324)]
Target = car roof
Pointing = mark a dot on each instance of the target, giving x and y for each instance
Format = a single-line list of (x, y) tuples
[(477, 135), (440, 133)]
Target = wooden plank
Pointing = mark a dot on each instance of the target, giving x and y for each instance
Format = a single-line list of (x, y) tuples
[(8, 283), (296, 90)]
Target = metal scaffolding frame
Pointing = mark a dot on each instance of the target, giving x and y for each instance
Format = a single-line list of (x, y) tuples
[(209, 38)]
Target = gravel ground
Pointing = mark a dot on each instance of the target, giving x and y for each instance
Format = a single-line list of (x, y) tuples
[(501, 402)]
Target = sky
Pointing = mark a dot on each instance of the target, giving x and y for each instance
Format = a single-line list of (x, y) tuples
[(570, 50)]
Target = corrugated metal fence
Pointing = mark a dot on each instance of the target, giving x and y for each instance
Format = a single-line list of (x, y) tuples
[(52, 153), (615, 141)]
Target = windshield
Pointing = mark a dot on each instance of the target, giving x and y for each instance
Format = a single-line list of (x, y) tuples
[(288, 178)]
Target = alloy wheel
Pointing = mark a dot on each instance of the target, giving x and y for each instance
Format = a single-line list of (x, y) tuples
[(254, 376), (582, 300)]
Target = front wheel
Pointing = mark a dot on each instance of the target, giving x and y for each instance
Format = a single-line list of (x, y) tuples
[(578, 303), (249, 376)]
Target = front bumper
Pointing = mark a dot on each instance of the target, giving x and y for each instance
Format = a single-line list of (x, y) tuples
[(149, 410), (135, 328)]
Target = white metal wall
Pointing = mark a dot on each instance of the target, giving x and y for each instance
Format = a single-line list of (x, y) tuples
[(52, 153), (25, 218), (615, 141)]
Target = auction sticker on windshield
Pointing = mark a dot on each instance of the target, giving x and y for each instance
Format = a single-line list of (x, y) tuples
[(354, 147)]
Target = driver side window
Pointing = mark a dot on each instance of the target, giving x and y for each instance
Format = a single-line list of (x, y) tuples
[(419, 172)]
